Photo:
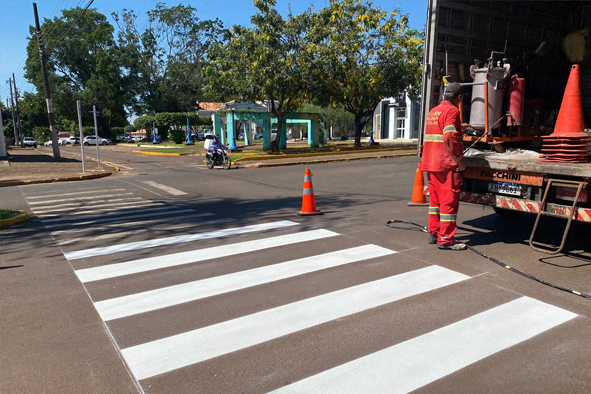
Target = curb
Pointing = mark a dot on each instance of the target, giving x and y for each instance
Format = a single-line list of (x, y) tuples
[(67, 179), (160, 153), (295, 163), (14, 220), (337, 153)]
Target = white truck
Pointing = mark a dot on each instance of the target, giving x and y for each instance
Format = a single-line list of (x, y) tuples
[(529, 40)]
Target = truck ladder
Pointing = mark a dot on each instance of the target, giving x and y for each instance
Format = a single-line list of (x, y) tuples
[(557, 182)]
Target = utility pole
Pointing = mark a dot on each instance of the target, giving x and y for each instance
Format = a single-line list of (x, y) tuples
[(18, 112), (13, 116), (81, 135), (96, 141), (56, 148), (2, 144)]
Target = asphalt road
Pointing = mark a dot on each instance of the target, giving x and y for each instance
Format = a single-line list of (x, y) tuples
[(172, 278)]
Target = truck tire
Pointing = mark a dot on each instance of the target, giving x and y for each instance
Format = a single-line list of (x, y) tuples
[(507, 213)]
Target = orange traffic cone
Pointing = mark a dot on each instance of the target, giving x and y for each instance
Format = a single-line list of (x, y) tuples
[(570, 121), (418, 191), (308, 200)]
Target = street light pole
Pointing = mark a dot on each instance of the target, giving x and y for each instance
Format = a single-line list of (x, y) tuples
[(189, 142), (231, 133)]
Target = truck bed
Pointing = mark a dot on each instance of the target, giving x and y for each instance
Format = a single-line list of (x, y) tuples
[(526, 162)]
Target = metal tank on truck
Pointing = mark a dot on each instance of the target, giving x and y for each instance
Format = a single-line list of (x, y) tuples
[(490, 87)]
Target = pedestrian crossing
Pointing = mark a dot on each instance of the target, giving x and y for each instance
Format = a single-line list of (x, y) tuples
[(125, 281)]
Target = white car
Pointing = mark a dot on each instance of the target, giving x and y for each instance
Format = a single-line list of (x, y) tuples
[(29, 141), (62, 141), (92, 140), (48, 143), (274, 134)]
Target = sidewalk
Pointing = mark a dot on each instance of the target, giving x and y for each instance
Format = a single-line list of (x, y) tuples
[(28, 165)]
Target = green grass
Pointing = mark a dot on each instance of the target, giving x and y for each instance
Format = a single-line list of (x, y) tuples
[(8, 213)]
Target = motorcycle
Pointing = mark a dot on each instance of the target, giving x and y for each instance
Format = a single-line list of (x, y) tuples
[(220, 159)]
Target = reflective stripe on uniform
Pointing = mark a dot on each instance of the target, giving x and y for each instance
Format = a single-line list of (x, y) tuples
[(433, 210), (448, 217), (449, 129), (433, 138)]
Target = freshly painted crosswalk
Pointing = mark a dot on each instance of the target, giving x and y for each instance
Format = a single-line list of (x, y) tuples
[(121, 296)]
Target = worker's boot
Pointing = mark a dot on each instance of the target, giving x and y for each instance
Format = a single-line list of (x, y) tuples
[(457, 246), (432, 239)]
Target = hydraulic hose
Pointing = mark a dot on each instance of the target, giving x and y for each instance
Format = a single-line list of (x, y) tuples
[(421, 228)]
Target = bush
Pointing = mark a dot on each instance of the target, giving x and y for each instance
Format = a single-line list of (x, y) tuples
[(177, 136)]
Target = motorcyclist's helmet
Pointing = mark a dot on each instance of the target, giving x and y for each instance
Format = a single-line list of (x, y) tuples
[(217, 137)]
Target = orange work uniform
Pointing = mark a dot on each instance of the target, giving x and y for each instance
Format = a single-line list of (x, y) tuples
[(442, 149)]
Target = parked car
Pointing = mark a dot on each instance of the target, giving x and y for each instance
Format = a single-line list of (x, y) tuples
[(29, 141), (241, 136), (108, 141), (202, 134), (48, 143), (62, 141), (139, 139), (258, 136), (73, 141), (93, 140)]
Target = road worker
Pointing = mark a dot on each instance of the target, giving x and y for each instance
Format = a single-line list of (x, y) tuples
[(443, 160)]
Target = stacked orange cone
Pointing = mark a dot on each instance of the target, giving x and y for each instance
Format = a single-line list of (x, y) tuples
[(569, 142), (308, 200), (418, 191)]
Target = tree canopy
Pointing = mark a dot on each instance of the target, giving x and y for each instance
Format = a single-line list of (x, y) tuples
[(359, 54)]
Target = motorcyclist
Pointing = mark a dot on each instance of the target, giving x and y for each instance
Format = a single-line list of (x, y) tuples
[(215, 148)]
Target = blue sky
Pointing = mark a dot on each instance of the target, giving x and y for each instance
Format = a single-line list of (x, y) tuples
[(17, 15)]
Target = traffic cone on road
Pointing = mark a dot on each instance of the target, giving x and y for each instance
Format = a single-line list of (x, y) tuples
[(308, 200), (418, 191)]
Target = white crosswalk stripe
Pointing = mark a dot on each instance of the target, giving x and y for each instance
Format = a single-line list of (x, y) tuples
[(161, 262), (173, 240)]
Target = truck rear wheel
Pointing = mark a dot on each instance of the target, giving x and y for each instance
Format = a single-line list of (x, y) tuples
[(507, 213)]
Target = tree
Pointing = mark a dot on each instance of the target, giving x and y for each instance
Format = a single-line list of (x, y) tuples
[(164, 61), (83, 63), (333, 116), (261, 63), (358, 54)]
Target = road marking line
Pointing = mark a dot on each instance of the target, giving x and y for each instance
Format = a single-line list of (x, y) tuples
[(73, 194), (118, 226), (116, 218), (175, 240), (134, 304), (419, 361), (114, 215), (102, 196), (98, 209), (96, 203), (195, 256), (167, 354), (122, 234), (168, 189)]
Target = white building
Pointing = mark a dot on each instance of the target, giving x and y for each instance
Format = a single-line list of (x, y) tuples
[(396, 118)]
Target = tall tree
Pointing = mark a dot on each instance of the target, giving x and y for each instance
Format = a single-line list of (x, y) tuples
[(83, 64), (164, 61), (261, 63), (357, 55)]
